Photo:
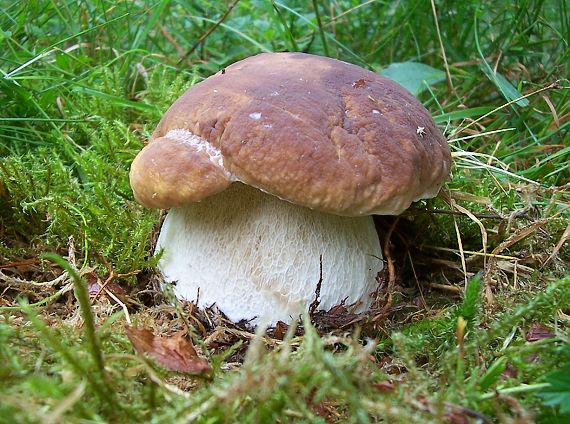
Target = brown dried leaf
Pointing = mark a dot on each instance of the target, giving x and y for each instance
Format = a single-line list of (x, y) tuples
[(457, 414), (93, 285), (221, 336), (116, 289), (324, 412), (538, 332), (338, 310), (96, 286), (280, 330), (175, 353), (384, 386), (509, 372), (323, 408), (457, 417)]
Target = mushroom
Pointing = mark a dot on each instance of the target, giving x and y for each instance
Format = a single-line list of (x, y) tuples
[(272, 169)]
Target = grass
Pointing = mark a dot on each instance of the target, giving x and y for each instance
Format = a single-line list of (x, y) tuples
[(477, 323)]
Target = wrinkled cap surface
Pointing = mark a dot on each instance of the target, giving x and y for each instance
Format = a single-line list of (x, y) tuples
[(311, 130)]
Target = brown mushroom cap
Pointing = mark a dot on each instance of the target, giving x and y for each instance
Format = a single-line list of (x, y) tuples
[(312, 130)]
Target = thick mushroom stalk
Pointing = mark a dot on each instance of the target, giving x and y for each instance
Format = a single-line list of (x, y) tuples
[(254, 255)]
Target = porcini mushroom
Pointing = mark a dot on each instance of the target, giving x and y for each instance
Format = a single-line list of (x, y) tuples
[(276, 164)]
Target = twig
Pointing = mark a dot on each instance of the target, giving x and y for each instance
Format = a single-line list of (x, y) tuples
[(23, 262), (391, 269), (484, 236), (315, 303), (447, 73), (123, 306), (470, 413), (446, 287), (519, 235), (469, 252), (21, 282), (461, 252), (172, 41), (424, 304), (565, 237), (210, 30), (352, 9), (111, 277)]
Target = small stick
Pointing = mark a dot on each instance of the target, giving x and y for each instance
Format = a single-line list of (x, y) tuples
[(116, 299), (447, 73), (391, 269), (315, 303), (445, 287), (210, 30)]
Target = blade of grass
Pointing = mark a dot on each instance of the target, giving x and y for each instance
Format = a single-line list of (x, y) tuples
[(143, 30), (444, 56), (116, 100), (321, 29), (329, 36), (82, 296), (285, 28), (48, 50), (236, 31), (462, 114), (210, 30), (99, 387)]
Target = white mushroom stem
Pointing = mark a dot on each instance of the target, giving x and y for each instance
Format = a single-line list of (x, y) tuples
[(256, 256)]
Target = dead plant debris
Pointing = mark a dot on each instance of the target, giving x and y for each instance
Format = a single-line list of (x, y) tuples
[(175, 353)]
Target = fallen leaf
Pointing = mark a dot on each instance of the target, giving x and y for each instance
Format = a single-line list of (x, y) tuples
[(175, 353), (538, 332), (322, 408), (457, 414), (510, 372), (384, 386), (92, 283), (280, 330), (95, 286), (338, 310), (414, 76), (221, 336), (457, 417)]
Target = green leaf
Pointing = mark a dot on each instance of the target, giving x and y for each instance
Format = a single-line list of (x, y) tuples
[(5, 34), (558, 394), (507, 89), (473, 113), (493, 373), (414, 76)]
